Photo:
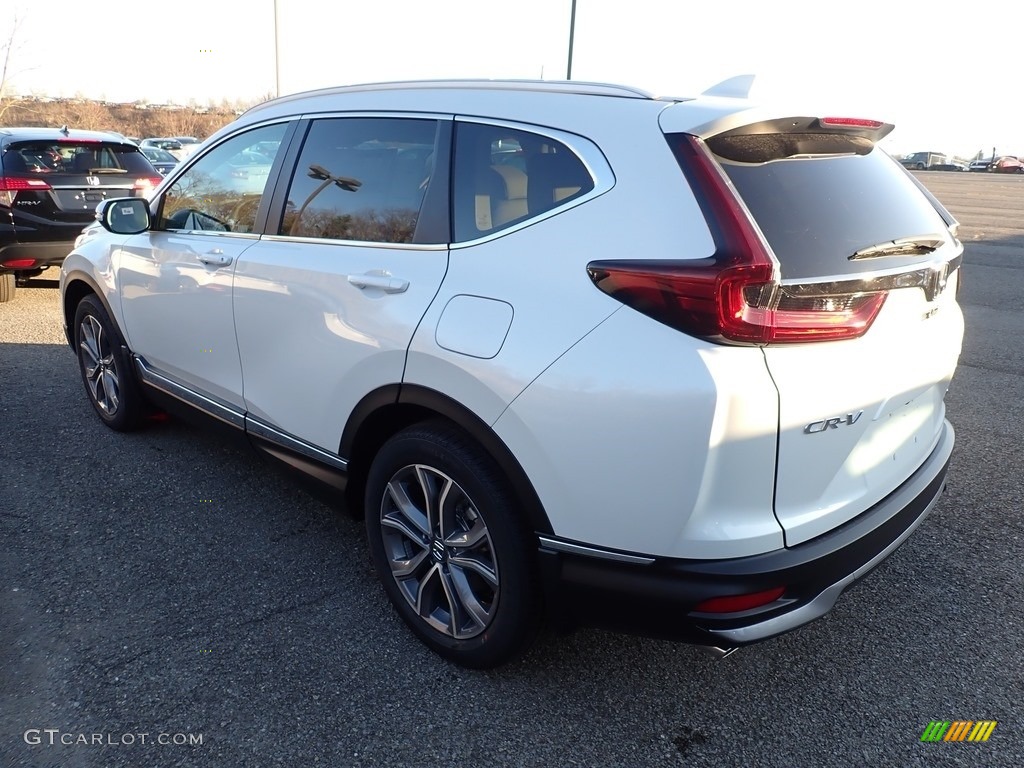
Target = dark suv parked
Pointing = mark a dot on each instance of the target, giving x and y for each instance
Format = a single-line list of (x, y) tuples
[(50, 183)]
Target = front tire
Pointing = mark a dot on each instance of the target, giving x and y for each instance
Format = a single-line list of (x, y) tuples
[(106, 368), (449, 547)]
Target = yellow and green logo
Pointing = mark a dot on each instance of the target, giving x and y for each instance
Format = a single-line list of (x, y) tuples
[(958, 730)]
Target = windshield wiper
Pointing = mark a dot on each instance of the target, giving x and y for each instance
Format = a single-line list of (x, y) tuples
[(904, 246)]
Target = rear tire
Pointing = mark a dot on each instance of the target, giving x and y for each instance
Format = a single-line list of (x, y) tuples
[(106, 368), (449, 546), (8, 286)]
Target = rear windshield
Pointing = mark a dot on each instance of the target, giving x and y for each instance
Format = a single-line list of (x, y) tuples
[(820, 201), (75, 158)]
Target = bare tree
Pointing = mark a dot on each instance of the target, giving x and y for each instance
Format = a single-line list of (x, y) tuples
[(6, 51)]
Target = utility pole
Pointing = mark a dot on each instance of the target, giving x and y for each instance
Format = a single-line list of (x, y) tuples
[(572, 32), (277, 61)]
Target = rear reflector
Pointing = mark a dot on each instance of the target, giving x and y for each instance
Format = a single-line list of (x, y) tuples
[(736, 293), (19, 263), (737, 603)]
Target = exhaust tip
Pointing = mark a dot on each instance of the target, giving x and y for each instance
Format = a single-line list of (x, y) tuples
[(718, 652)]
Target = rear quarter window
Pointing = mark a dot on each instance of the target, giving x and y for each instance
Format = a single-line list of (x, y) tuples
[(505, 176)]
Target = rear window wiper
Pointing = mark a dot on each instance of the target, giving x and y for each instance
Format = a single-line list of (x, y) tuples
[(904, 246)]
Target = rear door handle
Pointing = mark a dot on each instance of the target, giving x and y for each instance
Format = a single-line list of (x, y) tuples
[(380, 282), (215, 258)]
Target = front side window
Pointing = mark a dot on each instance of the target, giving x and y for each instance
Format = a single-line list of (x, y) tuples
[(504, 176), (222, 190), (361, 178)]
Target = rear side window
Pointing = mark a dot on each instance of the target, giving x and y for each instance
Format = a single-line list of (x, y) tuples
[(75, 158), (822, 199), (505, 176), (361, 179)]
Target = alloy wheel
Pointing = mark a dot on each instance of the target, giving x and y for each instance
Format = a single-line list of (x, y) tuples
[(98, 365), (440, 551)]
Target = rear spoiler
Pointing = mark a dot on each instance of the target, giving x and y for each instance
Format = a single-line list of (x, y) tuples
[(872, 130)]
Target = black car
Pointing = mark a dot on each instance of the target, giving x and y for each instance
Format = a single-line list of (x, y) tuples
[(161, 159), (50, 183)]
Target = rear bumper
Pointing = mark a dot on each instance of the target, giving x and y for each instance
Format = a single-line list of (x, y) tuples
[(42, 254), (656, 596)]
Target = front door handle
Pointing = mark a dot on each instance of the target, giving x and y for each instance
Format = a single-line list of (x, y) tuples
[(215, 258), (384, 283)]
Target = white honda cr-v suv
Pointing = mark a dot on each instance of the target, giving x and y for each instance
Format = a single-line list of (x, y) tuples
[(673, 366)]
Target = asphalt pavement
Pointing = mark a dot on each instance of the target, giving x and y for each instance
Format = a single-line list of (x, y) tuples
[(168, 599)]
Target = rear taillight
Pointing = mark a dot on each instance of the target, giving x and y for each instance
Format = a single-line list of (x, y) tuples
[(145, 185), (736, 293), (11, 186)]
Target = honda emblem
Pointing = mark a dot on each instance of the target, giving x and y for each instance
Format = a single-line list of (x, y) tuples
[(92, 181)]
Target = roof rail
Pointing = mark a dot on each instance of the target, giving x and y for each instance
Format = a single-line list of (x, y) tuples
[(557, 86)]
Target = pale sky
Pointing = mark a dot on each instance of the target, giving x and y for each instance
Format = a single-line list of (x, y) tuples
[(947, 73)]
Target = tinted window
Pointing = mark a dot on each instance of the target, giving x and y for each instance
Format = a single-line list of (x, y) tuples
[(75, 158), (361, 179), (222, 191), (818, 209), (504, 176)]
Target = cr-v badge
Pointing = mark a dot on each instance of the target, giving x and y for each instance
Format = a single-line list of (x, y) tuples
[(834, 423)]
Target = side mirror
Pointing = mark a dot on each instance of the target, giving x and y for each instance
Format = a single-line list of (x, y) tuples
[(124, 215)]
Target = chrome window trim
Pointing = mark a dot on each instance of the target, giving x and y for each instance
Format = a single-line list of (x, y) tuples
[(357, 243), (92, 189), (261, 429), (586, 551), (213, 232), (218, 410), (376, 113), (930, 276)]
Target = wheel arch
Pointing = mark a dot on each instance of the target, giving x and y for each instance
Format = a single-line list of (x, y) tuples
[(77, 286), (387, 410)]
